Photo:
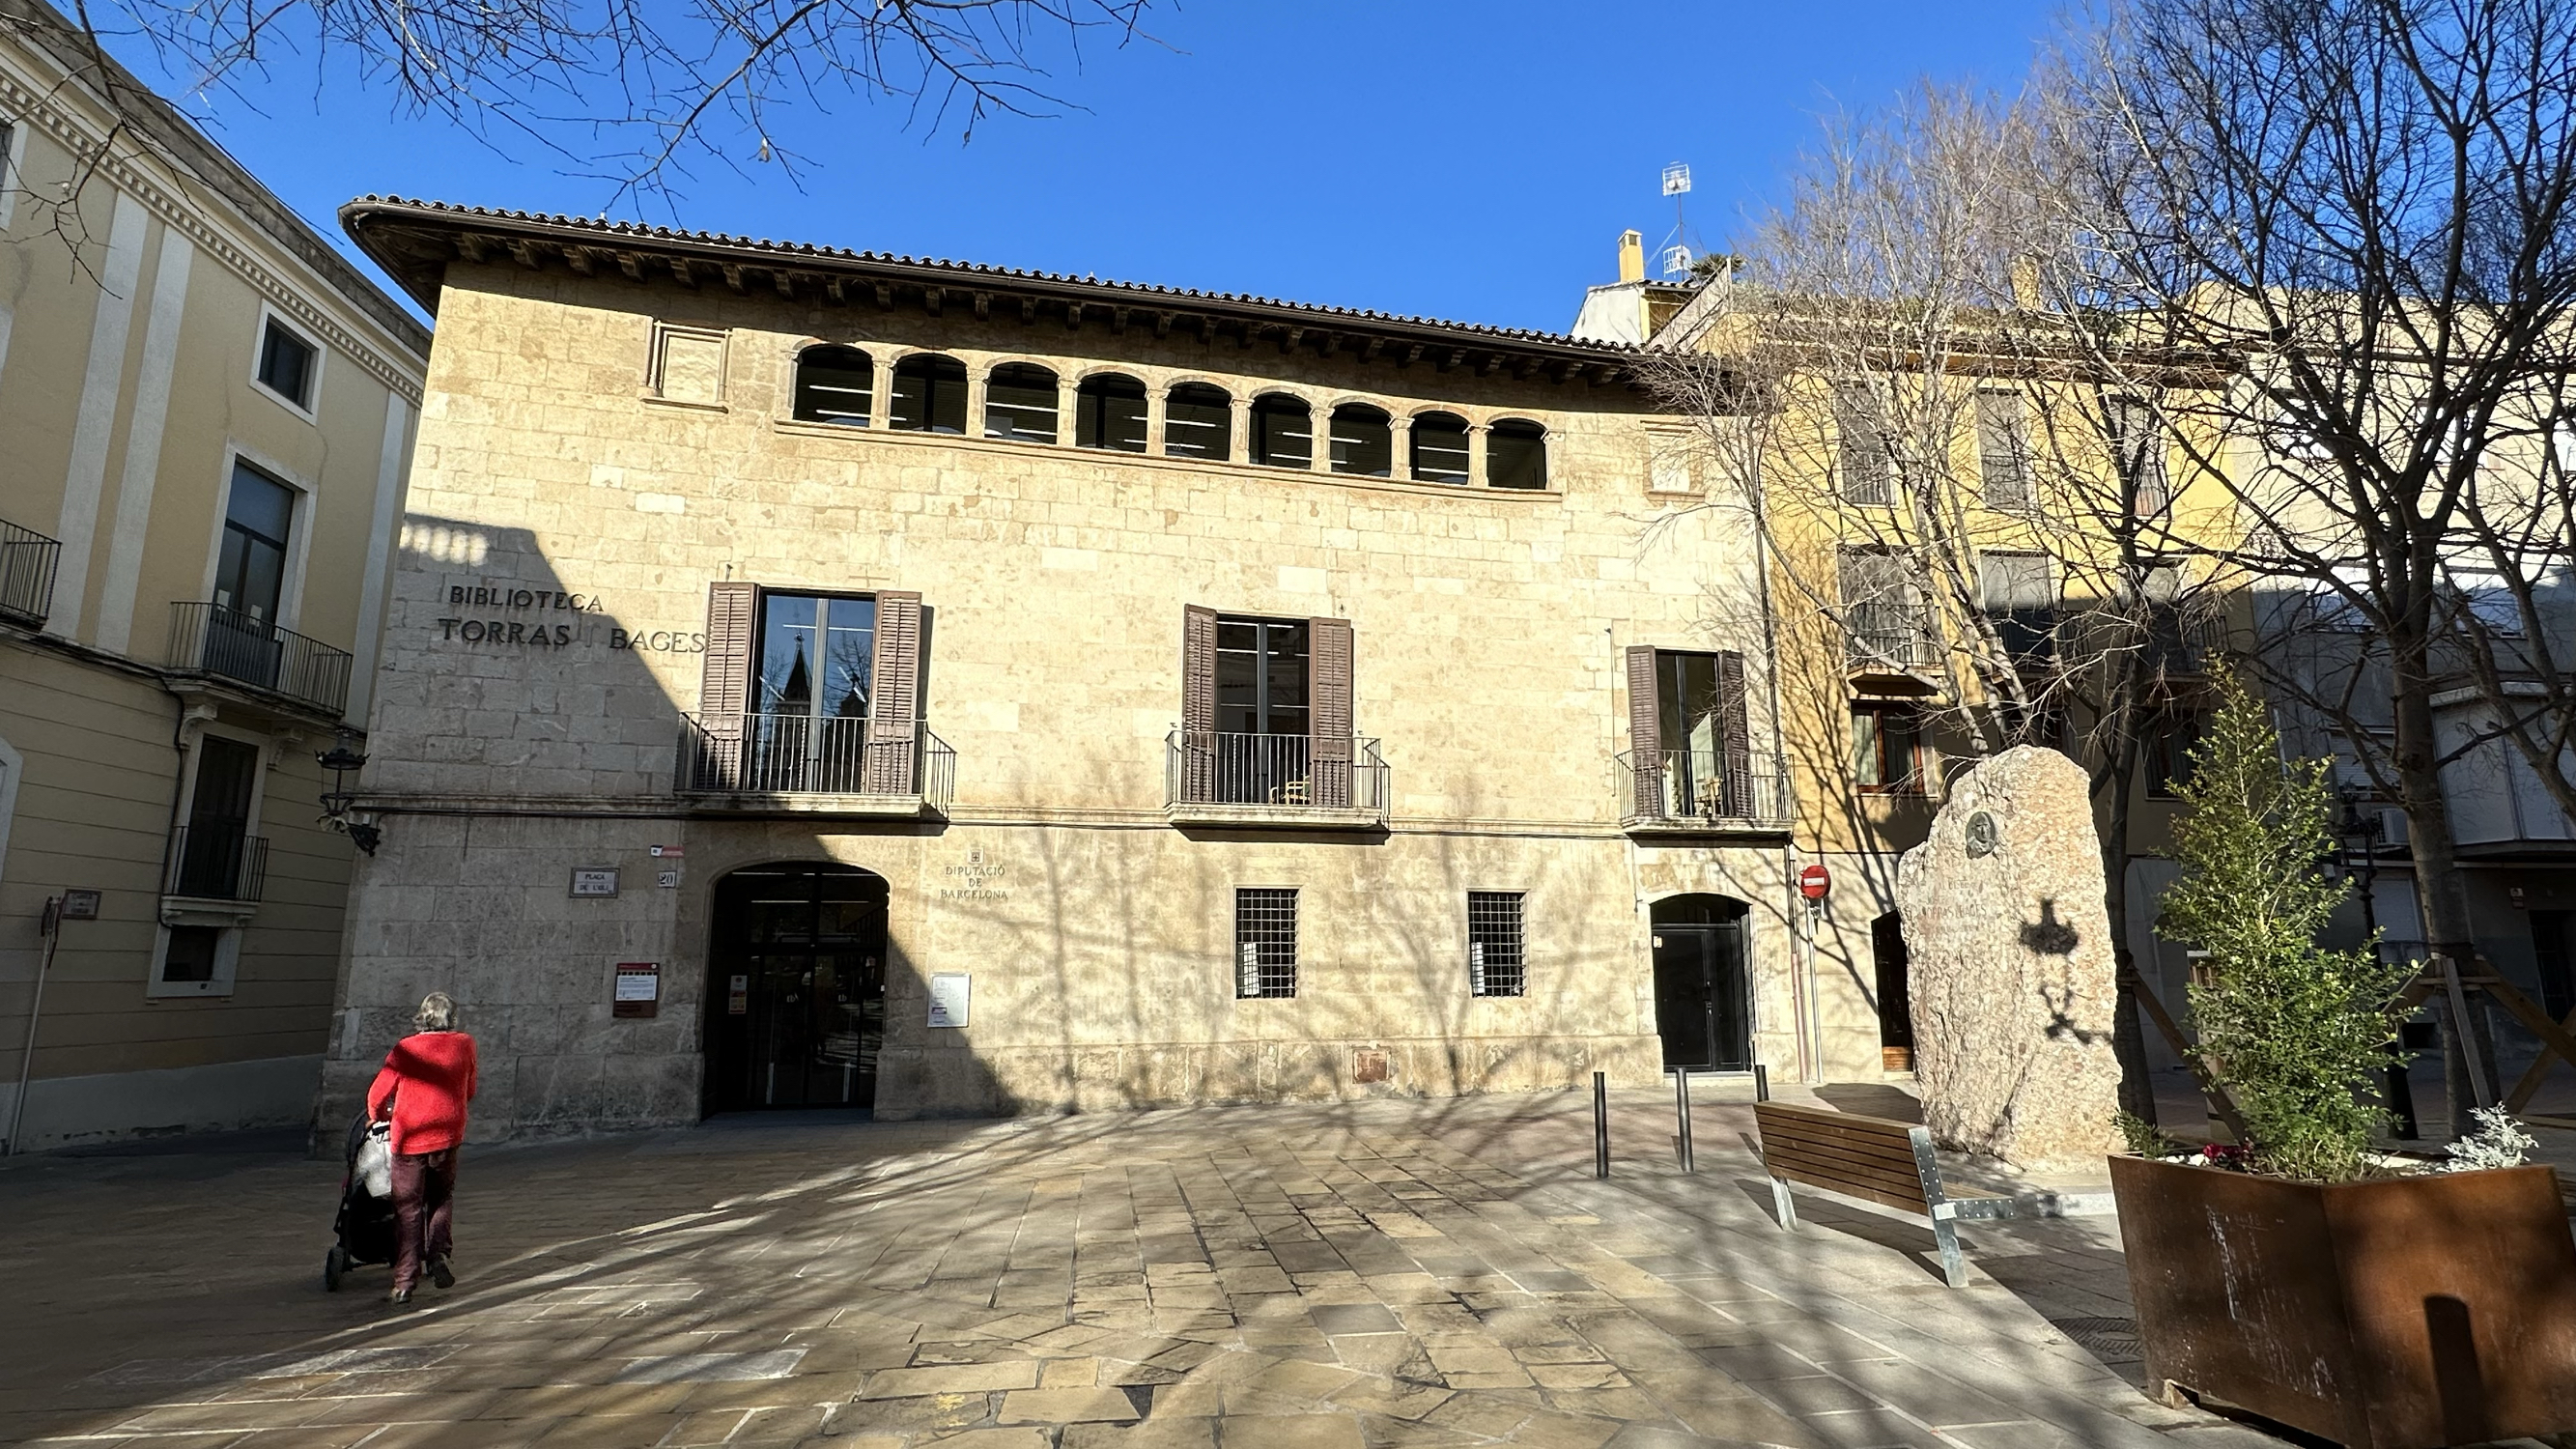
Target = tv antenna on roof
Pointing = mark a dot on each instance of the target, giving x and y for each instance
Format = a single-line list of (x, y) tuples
[(1677, 255)]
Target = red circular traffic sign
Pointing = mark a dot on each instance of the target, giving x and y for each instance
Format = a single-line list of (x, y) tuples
[(1814, 881)]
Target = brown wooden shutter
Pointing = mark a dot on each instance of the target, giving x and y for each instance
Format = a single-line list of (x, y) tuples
[(1197, 780), (1734, 737), (1329, 724), (712, 759), (1645, 733), (894, 703)]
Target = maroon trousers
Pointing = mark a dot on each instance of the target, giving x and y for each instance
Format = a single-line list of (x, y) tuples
[(424, 1194)]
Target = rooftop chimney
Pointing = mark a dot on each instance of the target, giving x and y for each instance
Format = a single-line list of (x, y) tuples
[(1632, 256)]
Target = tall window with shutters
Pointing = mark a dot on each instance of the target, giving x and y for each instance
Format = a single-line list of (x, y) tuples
[(1690, 735), (1266, 711), (808, 694)]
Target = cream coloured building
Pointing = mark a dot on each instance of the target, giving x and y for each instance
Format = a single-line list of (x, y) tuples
[(206, 415), (819, 677)]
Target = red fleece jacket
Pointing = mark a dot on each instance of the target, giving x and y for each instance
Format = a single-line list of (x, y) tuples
[(426, 1082)]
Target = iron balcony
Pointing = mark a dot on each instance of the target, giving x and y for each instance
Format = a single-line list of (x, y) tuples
[(826, 763), (1299, 781), (223, 643), (215, 863), (27, 563), (1692, 792)]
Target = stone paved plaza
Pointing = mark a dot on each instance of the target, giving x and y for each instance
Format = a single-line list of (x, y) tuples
[(1392, 1273)]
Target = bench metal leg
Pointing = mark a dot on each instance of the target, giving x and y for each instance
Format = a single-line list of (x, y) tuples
[(1945, 1232), (1787, 1210)]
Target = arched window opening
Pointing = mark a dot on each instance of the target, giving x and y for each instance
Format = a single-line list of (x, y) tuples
[(1198, 422), (1362, 442), (1111, 414), (1019, 403), (1283, 431), (1516, 455), (1439, 448), (835, 385), (929, 394)]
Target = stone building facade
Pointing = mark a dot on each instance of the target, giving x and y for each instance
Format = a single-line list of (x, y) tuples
[(948, 689), (206, 413)]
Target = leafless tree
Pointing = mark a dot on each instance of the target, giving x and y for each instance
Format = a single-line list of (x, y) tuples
[(2364, 207), (1962, 505), (623, 92)]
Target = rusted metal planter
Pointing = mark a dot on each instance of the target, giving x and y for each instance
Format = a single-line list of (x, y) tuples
[(2399, 1313)]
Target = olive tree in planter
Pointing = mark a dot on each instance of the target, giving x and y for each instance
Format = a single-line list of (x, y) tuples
[(2306, 1279)]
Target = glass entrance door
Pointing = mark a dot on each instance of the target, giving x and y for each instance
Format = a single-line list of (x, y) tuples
[(1702, 1008), (796, 1003)]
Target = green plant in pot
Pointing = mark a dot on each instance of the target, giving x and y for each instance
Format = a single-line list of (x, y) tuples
[(2303, 1278)]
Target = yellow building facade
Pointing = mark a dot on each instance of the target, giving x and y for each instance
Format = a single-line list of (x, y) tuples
[(207, 415)]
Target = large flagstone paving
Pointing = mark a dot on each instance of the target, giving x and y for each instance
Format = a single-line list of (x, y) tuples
[(1361, 1276)]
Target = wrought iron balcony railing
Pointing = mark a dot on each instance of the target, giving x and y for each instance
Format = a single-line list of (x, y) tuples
[(232, 644), (1889, 639), (27, 562), (1291, 772), (803, 754), (213, 863), (1687, 786)]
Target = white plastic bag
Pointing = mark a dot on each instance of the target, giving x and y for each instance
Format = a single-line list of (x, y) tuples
[(376, 1160)]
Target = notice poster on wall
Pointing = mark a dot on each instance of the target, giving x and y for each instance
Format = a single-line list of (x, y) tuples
[(738, 996), (638, 991), (948, 997)]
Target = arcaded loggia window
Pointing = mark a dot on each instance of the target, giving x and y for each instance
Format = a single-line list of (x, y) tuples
[(929, 394), (1283, 431), (1198, 422), (1019, 403), (1362, 442), (835, 385), (1112, 409), (1439, 448), (1516, 455)]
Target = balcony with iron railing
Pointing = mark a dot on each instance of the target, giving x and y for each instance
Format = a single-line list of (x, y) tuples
[(1890, 641), (27, 563), (823, 764), (1691, 792), (228, 645), (215, 863), (1303, 782)]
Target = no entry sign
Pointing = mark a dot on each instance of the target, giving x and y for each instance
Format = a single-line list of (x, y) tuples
[(1814, 881)]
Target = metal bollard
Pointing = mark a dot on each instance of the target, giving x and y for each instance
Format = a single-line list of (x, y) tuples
[(1761, 1083), (1600, 1124), (1681, 1113)]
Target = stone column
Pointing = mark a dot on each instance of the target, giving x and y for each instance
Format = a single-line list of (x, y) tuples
[(1068, 404), (881, 393), (1321, 461), (1239, 445), (1154, 399), (1399, 436), (1476, 454), (975, 387)]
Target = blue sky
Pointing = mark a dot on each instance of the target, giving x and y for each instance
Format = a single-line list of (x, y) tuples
[(1469, 161)]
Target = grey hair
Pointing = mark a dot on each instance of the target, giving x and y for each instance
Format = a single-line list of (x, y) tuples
[(437, 1012)]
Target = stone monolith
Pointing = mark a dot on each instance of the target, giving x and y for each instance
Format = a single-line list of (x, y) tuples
[(2009, 961)]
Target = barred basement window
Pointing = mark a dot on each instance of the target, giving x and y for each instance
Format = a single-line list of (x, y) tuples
[(1265, 942), (1496, 965)]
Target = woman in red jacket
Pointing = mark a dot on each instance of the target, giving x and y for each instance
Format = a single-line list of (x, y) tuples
[(426, 1082)]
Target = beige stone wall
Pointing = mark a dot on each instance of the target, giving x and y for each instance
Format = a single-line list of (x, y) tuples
[(1488, 628)]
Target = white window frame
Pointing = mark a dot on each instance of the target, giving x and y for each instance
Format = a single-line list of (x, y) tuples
[(227, 965), (13, 158), (299, 544), (271, 315), (228, 936)]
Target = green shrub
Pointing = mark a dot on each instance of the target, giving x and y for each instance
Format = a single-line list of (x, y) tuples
[(2298, 1034)]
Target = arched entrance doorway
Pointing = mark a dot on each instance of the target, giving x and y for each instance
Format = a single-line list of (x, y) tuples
[(1703, 1010), (796, 987)]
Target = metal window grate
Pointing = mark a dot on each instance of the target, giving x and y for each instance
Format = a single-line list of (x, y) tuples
[(1496, 963), (1265, 942)]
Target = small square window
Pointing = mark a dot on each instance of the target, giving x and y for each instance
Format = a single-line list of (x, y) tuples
[(286, 364), (1496, 963), (191, 957), (195, 960), (1887, 749), (1265, 942)]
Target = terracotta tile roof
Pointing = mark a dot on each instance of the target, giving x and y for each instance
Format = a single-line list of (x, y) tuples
[(374, 213)]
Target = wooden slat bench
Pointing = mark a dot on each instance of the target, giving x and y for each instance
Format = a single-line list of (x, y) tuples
[(1872, 1158)]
